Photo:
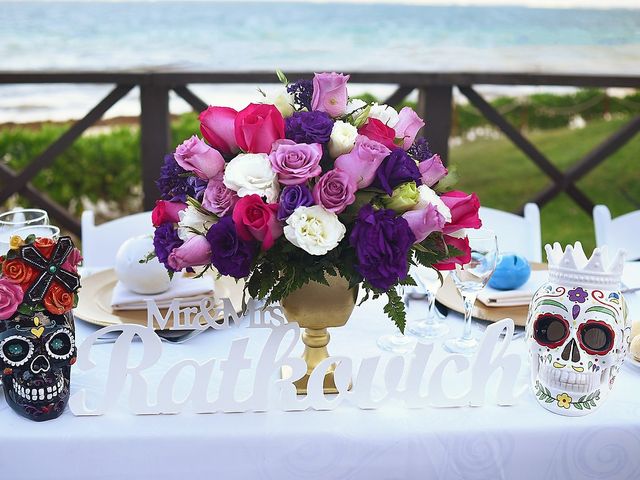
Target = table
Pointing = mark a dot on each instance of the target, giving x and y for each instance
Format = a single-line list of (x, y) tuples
[(490, 442)]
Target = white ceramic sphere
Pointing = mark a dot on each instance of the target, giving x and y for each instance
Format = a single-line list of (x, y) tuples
[(144, 278)]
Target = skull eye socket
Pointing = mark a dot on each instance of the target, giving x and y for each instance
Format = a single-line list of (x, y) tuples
[(16, 350), (596, 337), (550, 330), (60, 345)]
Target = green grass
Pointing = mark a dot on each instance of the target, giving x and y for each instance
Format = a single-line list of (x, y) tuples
[(505, 179)]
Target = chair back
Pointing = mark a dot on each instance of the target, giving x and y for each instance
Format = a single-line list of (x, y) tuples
[(100, 243), (619, 232), (516, 234)]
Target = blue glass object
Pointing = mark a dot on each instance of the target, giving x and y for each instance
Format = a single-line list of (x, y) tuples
[(512, 272)]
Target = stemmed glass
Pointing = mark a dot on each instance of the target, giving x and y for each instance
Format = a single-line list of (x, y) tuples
[(470, 279), (19, 218), (431, 327), (397, 343)]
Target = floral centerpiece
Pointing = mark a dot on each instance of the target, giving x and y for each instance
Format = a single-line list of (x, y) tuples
[(309, 184)]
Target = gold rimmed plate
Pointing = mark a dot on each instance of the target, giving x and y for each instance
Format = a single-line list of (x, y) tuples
[(94, 300)]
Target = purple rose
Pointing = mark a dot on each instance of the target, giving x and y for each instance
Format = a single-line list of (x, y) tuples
[(291, 198), (432, 170), (382, 241), (165, 240), (397, 168), (309, 127), (194, 252), (295, 163), (363, 161), (196, 156), (218, 198), (229, 253), (330, 93), (424, 222), (409, 123), (335, 191)]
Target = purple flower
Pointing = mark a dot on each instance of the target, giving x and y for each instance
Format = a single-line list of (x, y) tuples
[(165, 240), (302, 92), (577, 295), (196, 187), (309, 127), (420, 150), (293, 197), (335, 191), (397, 168), (229, 253), (295, 163), (175, 183), (382, 241), (218, 198), (432, 170)]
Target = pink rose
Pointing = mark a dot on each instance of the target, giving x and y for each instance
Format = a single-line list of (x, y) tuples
[(165, 211), (461, 244), (257, 127), (194, 252), (335, 191), (217, 127), (330, 93), (424, 222), (218, 198), (363, 161), (374, 129), (10, 298), (196, 156), (296, 163), (432, 170), (255, 219), (409, 123), (464, 210), (72, 261)]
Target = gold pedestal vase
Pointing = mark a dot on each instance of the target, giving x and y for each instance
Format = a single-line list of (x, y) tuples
[(316, 307)]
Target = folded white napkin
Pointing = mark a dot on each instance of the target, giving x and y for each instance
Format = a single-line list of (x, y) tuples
[(190, 290), (512, 298)]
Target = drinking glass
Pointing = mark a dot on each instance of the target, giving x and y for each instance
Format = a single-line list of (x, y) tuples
[(397, 343), (19, 218), (40, 231), (470, 279), (431, 327)]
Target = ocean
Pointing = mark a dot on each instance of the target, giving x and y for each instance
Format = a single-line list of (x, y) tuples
[(293, 36)]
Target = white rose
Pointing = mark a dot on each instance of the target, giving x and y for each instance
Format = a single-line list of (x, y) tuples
[(250, 173), (190, 220), (428, 196), (385, 114), (314, 229), (355, 104), (343, 138), (283, 101)]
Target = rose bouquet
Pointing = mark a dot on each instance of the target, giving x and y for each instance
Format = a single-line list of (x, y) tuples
[(307, 184)]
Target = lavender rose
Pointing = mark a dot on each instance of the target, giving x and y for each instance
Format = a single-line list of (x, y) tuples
[(335, 191), (291, 198), (218, 198), (432, 170), (229, 253), (363, 161), (330, 93), (165, 240), (309, 127), (196, 156), (382, 241), (194, 252), (424, 222), (10, 298), (295, 163), (397, 168)]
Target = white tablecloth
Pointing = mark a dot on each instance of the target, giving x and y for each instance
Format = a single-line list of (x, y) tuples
[(490, 442)]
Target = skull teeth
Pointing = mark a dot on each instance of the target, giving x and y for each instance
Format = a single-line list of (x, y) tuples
[(570, 381), (38, 394)]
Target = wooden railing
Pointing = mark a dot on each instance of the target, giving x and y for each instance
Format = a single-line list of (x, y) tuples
[(435, 95)]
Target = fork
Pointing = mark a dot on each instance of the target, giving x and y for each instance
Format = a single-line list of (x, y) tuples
[(169, 336)]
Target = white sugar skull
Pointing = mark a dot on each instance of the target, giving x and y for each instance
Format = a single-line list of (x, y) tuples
[(577, 330)]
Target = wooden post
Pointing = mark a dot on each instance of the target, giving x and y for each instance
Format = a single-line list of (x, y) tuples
[(155, 138), (434, 106)]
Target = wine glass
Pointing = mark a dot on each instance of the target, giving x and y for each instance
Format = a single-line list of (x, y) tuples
[(397, 343), (431, 327), (19, 218), (40, 231), (470, 279)]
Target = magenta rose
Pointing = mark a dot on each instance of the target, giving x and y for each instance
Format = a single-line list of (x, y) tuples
[(72, 261), (461, 244), (255, 219), (257, 127), (335, 191), (374, 129), (10, 298), (363, 161), (218, 198), (194, 252), (432, 170), (424, 222), (330, 93), (196, 156), (464, 210), (166, 211), (295, 163), (217, 128), (408, 126)]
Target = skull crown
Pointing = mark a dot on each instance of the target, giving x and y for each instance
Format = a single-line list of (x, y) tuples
[(577, 330)]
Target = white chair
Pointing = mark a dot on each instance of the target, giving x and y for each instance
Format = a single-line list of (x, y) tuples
[(516, 234), (100, 243), (620, 232)]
